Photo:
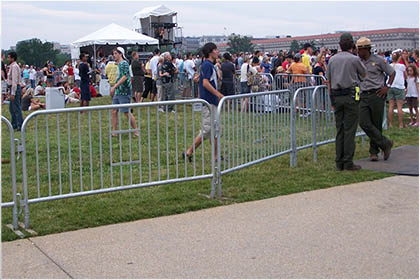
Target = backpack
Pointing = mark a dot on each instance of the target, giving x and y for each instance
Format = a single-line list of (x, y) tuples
[(249, 77)]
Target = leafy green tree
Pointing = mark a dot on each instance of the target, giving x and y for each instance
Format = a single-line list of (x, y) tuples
[(238, 43), (35, 52), (295, 47)]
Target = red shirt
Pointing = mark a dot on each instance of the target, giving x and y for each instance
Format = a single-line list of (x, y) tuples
[(76, 90), (285, 65), (70, 71), (92, 91)]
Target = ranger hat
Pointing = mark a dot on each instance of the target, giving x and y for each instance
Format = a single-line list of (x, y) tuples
[(346, 36), (364, 43)]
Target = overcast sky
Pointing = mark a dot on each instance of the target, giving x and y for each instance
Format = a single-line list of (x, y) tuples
[(67, 21)]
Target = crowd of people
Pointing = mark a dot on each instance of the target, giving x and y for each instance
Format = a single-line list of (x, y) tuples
[(165, 75)]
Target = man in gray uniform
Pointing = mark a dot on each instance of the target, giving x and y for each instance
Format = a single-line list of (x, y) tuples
[(343, 76), (372, 99)]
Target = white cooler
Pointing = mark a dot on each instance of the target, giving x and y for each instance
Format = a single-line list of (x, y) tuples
[(54, 98), (104, 87)]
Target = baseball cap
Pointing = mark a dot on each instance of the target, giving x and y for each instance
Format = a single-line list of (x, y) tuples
[(298, 56), (364, 43), (121, 50), (346, 36), (397, 50)]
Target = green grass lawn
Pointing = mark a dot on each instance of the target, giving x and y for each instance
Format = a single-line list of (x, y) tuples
[(265, 180)]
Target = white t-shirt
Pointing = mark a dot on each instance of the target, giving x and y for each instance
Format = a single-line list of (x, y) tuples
[(189, 68), (399, 75), (411, 87), (178, 63), (76, 74), (65, 67), (32, 74), (38, 90), (153, 66), (244, 69)]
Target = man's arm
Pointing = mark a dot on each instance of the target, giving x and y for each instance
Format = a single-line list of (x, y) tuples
[(15, 74), (207, 85), (383, 91)]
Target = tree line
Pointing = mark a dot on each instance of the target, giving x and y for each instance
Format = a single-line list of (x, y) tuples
[(37, 53)]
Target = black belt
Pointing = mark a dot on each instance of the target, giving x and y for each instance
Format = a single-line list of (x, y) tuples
[(371, 90), (344, 91)]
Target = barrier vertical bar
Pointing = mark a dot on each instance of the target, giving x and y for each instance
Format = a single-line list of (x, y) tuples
[(100, 150), (59, 154), (69, 151), (313, 124), (37, 157)]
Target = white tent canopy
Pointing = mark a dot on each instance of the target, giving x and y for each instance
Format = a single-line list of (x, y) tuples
[(156, 11), (115, 34)]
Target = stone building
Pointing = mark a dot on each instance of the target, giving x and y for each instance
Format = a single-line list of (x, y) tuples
[(384, 40)]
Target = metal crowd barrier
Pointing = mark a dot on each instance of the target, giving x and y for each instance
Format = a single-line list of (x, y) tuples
[(296, 81), (313, 121), (251, 128), (12, 194), (62, 148)]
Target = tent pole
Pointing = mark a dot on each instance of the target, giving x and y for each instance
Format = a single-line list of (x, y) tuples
[(94, 56)]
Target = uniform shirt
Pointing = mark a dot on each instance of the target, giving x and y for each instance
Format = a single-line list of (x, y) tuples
[(208, 72), (123, 70), (345, 70), (376, 67)]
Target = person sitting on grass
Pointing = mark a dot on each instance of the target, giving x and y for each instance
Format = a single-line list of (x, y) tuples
[(29, 103), (40, 89)]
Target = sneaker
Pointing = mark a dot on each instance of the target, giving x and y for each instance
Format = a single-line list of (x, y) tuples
[(416, 124), (354, 167), (161, 110), (373, 157), (388, 148), (184, 155), (412, 123)]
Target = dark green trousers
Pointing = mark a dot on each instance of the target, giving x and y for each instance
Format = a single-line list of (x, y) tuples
[(371, 117), (346, 120)]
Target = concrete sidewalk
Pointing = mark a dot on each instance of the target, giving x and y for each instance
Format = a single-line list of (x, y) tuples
[(364, 230)]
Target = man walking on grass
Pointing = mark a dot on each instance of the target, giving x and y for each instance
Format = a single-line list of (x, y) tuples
[(208, 92), (121, 91)]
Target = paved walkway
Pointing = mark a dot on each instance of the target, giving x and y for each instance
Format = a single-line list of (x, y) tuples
[(365, 230)]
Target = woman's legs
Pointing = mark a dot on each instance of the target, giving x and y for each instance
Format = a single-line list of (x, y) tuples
[(390, 112), (400, 104)]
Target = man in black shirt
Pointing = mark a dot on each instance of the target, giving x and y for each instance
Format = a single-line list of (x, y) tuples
[(84, 80), (228, 75), (138, 76), (167, 75)]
